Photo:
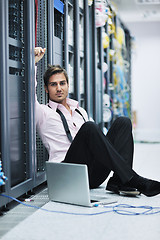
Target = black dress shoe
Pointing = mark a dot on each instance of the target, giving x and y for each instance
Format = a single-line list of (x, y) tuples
[(115, 185), (146, 186)]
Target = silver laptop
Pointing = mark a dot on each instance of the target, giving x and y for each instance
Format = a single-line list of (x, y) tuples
[(68, 183)]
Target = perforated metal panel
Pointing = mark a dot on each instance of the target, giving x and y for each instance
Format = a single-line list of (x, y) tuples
[(17, 93), (42, 155), (58, 26)]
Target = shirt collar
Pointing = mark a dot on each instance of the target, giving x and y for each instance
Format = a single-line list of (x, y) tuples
[(72, 103)]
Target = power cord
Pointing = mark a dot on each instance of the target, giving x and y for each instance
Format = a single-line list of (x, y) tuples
[(52, 211), (122, 209)]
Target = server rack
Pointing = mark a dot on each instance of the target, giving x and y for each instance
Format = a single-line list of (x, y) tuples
[(71, 46), (16, 96), (118, 76), (122, 90)]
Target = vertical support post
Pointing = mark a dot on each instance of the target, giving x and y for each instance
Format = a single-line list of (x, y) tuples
[(66, 58), (50, 32), (30, 73), (76, 51), (3, 88), (86, 56), (94, 64), (101, 78)]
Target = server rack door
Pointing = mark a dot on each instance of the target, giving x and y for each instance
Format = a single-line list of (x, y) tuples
[(17, 88), (15, 109)]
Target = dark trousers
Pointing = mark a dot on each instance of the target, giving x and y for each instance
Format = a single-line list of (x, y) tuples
[(104, 153)]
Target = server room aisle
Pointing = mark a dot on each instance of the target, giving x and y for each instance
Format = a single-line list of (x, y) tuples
[(109, 225)]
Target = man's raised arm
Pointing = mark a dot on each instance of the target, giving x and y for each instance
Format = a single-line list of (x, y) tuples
[(39, 53)]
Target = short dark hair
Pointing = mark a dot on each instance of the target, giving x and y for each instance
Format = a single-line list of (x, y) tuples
[(52, 70)]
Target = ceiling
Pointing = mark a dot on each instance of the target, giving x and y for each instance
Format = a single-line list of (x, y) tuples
[(137, 10)]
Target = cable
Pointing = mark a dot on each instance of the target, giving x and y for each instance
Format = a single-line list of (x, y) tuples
[(147, 209), (53, 211), (122, 209)]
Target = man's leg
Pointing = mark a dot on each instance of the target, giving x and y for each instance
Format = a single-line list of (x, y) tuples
[(91, 147), (120, 136)]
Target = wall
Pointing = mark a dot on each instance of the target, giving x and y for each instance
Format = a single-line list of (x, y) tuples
[(146, 79)]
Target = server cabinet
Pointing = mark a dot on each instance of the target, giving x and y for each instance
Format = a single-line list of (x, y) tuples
[(118, 76), (16, 100), (95, 68), (17, 93), (76, 50), (82, 44), (80, 57)]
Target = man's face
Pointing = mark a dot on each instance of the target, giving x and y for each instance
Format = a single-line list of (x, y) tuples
[(57, 88)]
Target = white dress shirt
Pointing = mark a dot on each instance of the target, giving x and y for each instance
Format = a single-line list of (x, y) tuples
[(50, 127)]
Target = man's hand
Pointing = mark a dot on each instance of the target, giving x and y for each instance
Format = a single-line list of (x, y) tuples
[(39, 53)]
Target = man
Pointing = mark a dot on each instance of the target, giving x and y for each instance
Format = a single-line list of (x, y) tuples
[(69, 137)]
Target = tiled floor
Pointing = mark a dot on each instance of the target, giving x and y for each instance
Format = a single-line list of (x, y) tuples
[(44, 225)]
